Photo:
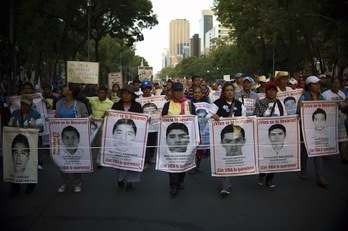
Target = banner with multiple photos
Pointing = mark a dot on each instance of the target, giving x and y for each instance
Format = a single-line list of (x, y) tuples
[(177, 144), (70, 144), (20, 155), (124, 140)]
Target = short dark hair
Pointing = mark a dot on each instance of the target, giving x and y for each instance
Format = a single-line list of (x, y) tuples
[(28, 84), (226, 84), (201, 110), (195, 77), (70, 129), (129, 122), (102, 88), (136, 81), (179, 126), (149, 105), (289, 98), (230, 129), (21, 139), (319, 111), (276, 126)]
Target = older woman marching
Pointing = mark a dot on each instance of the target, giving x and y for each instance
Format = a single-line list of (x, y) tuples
[(226, 106)]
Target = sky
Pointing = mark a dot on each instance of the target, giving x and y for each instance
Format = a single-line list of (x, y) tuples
[(157, 38)]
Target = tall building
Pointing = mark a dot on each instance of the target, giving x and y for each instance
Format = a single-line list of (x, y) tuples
[(218, 32), (165, 58), (179, 37), (194, 45), (205, 24)]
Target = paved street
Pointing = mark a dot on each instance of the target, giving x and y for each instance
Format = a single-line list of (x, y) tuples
[(294, 204)]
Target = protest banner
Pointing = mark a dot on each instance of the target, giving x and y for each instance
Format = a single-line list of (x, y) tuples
[(20, 155), (290, 100), (178, 140), (82, 72), (202, 109), (70, 144), (249, 105), (152, 106), (38, 104), (115, 78), (124, 140), (278, 144), (232, 147), (145, 73), (319, 127)]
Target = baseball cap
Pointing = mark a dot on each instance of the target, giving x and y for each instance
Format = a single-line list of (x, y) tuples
[(312, 79), (249, 79), (239, 75), (146, 84), (177, 86), (322, 76), (271, 84)]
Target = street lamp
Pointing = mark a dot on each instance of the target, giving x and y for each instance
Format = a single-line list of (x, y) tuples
[(337, 23)]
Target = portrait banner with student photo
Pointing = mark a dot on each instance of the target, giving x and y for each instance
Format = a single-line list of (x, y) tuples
[(249, 105), (124, 140), (319, 127), (38, 104), (152, 106), (70, 144), (232, 145), (278, 140), (290, 100), (202, 109), (20, 155), (177, 143)]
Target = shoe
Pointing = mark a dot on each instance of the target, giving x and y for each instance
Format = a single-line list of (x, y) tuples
[(270, 184), (173, 191), (120, 184), (260, 181), (39, 167), (225, 192), (129, 186), (303, 175), (77, 189), (99, 166), (61, 189), (322, 182)]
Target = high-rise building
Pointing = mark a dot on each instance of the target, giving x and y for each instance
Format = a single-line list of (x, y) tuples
[(179, 37), (165, 58), (205, 24), (194, 45)]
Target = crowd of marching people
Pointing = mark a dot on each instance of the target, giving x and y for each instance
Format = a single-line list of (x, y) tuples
[(226, 99)]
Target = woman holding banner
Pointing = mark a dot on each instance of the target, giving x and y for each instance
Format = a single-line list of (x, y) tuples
[(312, 92), (127, 103), (71, 106), (226, 106), (179, 105)]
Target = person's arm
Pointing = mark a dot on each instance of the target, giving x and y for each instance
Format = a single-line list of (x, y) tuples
[(212, 112)]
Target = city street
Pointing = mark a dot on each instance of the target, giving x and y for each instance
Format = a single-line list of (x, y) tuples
[(294, 204)]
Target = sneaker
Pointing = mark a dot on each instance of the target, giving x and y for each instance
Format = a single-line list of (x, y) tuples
[(61, 189), (39, 167), (77, 189), (260, 181), (270, 184), (225, 192), (322, 182)]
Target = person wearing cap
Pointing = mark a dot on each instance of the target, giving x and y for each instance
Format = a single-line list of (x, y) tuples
[(268, 107), (127, 103), (226, 106), (25, 117), (149, 109), (324, 82), (312, 92), (247, 93), (293, 83), (238, 85), (281, 80), (262, 81), (136, 86), (179, 105)]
